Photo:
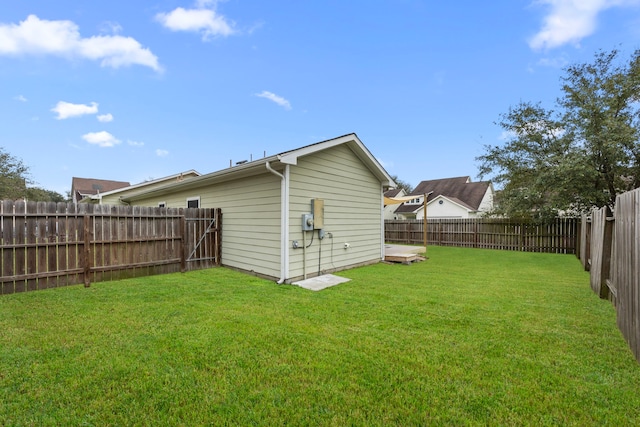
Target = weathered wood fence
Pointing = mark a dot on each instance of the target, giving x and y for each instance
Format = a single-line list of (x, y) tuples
[(610, 250), (557, 236), (47, 244)]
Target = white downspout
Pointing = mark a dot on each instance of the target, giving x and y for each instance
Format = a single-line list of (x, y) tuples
[(284, 221), (382, 242)]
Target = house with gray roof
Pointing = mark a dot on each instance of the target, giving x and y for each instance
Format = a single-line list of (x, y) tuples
[(87, 187), (457, 197)]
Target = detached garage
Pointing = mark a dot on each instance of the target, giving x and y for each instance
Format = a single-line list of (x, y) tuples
[(297, 214)]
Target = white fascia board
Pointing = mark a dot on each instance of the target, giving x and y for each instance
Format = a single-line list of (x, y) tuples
[(247, 169), (291, 157), (352, 140)]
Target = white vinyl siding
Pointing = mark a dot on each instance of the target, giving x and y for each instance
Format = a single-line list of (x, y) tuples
[(446, 209), (352, 211), (487, 200), (250, 199), (250, 220)]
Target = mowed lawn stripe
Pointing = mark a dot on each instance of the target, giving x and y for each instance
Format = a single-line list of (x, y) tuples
[(467, 337)]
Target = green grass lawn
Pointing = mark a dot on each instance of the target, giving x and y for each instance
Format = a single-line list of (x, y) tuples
[(468, 337)]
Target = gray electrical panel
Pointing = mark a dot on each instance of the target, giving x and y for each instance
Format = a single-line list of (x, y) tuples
[(307, 222)]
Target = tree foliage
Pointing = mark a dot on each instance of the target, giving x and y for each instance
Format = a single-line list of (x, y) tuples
[(402, 184), (14, 180), (42, 195), (13, 177), (578, 157)]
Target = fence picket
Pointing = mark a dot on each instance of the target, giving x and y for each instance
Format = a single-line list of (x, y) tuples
[(616, 277), (558, 236), (44, 245)]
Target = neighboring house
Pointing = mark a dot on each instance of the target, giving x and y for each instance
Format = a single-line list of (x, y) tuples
[(449, 198), (264, 203), (390, 209), (87, 187), (114, 196)]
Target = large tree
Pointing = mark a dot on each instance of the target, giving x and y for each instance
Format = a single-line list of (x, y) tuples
[(14, 180), (578, 157), (13, 177), (601, 108)]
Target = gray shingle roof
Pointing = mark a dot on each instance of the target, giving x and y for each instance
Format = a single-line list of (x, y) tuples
[(89, 186), (459, 189)]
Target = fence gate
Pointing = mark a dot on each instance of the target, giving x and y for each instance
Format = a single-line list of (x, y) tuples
[(202, 238), (46, 244)]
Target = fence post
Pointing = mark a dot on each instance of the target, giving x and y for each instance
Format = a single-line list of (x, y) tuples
[(607, 245), (86, 262), (475, 234), (183, 241)]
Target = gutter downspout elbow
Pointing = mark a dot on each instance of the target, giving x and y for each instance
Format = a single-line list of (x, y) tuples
[(284, 221)]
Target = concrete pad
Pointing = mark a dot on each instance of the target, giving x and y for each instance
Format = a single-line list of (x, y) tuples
[(321, 282)]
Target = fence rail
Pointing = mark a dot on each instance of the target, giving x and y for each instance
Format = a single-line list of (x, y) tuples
[(47, 244), (557, 236), (613, 257)]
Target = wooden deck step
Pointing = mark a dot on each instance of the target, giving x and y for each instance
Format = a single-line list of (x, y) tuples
[(403, 258)]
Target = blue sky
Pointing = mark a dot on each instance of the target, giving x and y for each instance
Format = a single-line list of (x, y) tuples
[(132, 91)]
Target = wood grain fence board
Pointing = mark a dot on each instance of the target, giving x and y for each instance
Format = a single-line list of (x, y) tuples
[(44, 245), (597, 231), (50, 211), (487, 233), (8, 249), (73, 238), (29, 231), (19, 241), (41, 245), (626, 268), (616, 277), (63, 260)]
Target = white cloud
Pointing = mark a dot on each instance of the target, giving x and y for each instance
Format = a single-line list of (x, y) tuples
[(202, 19), (101, 139), (275, 98), (162, 153), (20, 98), (204, 3), (67, 109), (569, 21), (35, 36), (557, 62), (105, 118), (135, 143), (109, 27)]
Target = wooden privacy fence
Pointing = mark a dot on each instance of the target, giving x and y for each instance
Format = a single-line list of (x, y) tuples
[(47, 244), (611, 252), (557, 236)]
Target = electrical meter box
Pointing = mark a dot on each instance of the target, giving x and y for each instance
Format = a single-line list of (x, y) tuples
[(317, 210), (307, 222)]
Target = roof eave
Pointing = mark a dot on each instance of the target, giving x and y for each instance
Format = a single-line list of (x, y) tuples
[(285, 158), (244, 170)]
